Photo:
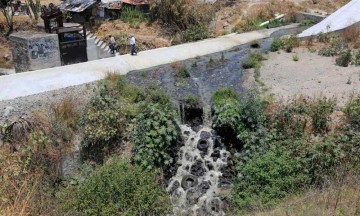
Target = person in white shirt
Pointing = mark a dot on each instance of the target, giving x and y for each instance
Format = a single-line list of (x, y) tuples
[(112, 44), (133, 45)]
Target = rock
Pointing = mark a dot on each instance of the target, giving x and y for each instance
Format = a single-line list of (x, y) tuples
[(204, 186), (7, 57), (205, 135), (188, 181), (203, 145), (214, 205), (215, 155), (192, 196), (7, 111), (198, 168), (174, 186)]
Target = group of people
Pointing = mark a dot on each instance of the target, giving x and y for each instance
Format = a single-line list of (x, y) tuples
[(112, 44)]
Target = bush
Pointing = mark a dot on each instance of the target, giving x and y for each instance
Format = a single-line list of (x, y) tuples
[(226, 108), (356, 58), (154, 135), (334, 48), (132, 16), (196, 32), (344, 59), (276, 45), (296, 57), (267, 178), (289, 43), (253, 61), (321, 110), (352, 111), (192, 100), (122, 189)]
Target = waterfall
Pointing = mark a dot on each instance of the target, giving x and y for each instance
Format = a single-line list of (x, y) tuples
[(196, 187)]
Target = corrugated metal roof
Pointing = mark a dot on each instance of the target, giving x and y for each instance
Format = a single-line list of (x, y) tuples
[(136, 2), (76, 5)]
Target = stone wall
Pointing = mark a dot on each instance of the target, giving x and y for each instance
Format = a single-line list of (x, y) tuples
[(34, 51)]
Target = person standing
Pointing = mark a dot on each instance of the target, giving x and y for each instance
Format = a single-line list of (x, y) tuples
[(112, 45), (133, 45)]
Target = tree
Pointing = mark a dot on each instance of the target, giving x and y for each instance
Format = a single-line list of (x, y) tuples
[(8, 13)]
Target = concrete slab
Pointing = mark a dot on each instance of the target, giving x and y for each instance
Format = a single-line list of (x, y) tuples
[(28, 83)]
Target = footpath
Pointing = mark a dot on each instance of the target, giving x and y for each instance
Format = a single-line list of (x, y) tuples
[(34, 82)]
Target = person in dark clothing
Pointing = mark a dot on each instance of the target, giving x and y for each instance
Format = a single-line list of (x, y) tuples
[(112, 44)]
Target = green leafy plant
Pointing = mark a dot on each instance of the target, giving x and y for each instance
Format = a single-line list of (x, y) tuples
[(334, 48), (276, 45), (211, 62), (120, 188), (344, 59), (33, 8), (132, 16), (289, 43), (154, 134), (267, 178)]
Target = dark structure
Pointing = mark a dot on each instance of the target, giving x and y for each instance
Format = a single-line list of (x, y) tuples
[(48, 14), (72, 42), (72, 39)]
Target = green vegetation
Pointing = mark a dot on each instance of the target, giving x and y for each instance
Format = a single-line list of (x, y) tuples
[(190, 23), (267, 178), (295, 57), (254, 61), (154, 134), (344, 58), (276, 45), (276, 156), (285, 43), (132, 16), (120, 188), (191, 100)]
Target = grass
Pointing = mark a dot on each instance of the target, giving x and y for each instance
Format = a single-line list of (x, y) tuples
[(330, 201)]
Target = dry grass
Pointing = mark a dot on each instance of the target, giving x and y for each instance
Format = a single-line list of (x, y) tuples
[(148, 35), (351, 35), (66, 112), (332, 201), (328, 6)]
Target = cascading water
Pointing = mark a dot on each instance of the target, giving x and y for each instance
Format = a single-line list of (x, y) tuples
[(196, 187)]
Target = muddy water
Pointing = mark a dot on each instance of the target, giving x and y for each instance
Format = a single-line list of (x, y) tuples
[(196, 188)]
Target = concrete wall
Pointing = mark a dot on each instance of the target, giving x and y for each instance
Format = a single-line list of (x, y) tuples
[(34, 51), (301, 16)]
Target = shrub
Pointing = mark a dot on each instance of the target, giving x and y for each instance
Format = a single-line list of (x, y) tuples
[(154, 135), (226, 108), (122, 189), (321, 110), (276, 45), (253, 61), (289, 43), (344, 59), (132, 16), (291, 119), (192, 100), (211, 62), (267, 178), (295, 57), (352, 111), (334, 48), (356, 58), (182, 72), (196, 32)]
